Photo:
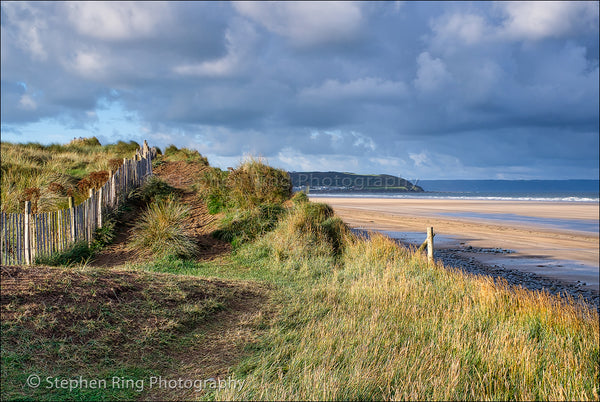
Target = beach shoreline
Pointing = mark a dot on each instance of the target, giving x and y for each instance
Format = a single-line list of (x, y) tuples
[(559, 253)]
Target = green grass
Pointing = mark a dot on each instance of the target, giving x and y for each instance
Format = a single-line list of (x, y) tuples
[(383, 324), (366, 319), (154, 189), (82, 252), (98, 323), (242, 226), (250, 185), (184, 154)]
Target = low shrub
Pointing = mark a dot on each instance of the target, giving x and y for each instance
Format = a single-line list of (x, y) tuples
[(308, 239), (300, 198), (212, 189), (124, 149), (77, 253), (86, 142), (171, 150), (185, 154)]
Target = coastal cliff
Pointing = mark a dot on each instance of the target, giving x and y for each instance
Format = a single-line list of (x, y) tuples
[(351, 182)]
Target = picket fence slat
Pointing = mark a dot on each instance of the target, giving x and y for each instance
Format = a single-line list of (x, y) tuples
[(28, 235)]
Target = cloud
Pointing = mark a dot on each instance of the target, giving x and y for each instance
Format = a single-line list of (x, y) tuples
[(432, 73), (88, 64), (241, 40), (535, 20), (28, 24), (26, 102), (306, 23), (370, 87), (117, 21), (467, 29)]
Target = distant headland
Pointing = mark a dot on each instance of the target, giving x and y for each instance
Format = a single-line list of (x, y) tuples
[(351, 182)]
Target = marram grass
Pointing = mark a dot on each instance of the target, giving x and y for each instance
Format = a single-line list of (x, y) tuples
[(42, 167), (163, 230), (383, 324)]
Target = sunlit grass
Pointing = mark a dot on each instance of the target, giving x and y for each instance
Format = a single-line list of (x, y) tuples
[(381, 323), (53, 170), (162, 229)]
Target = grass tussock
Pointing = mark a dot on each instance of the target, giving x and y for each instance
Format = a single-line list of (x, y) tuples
[(255, 183), (162, 230), (153, 189), (173, 153), (242, 226)]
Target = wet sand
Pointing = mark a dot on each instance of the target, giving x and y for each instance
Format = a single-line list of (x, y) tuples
[(568, 252)]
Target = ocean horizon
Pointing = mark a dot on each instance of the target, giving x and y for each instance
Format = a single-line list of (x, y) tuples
[(495, 190)]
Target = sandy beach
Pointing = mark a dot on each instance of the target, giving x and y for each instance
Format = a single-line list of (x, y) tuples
[(568, 252)]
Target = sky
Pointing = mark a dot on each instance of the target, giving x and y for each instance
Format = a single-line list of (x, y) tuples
[(422, 90)]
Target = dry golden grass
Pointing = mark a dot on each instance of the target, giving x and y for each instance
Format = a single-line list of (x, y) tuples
[(53, 170), (163, 230), (383, 324)]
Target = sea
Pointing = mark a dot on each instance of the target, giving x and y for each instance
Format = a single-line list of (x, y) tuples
[(515, 190)]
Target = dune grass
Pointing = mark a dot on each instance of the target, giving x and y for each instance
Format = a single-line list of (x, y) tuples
[(162, 229), (47, 174), (365, 319), (251, 184), (379, 322), (354, 318)]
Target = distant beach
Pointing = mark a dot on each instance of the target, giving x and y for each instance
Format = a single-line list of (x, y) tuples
[(557, 239)]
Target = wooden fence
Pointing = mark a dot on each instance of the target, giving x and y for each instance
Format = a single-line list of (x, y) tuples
[(27, 235)]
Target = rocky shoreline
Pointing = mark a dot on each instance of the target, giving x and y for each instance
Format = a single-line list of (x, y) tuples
[(463, 259), (455, 257)]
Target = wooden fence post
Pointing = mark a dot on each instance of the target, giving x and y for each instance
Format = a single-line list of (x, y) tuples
[(100, 207), (72, 219), (125, 176), (113, 189), (59, 229), (90, 218), (430, 245), (145, 149), (27, 232)]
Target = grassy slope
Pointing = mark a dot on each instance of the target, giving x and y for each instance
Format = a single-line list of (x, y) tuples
[(377, 322), (384, 325)]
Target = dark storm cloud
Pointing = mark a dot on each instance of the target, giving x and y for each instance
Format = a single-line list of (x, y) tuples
[(478, 90)]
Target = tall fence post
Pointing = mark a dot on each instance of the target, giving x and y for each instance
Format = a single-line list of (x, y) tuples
[(72, 220), (27, 232), (145, 149), (430, 245)]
